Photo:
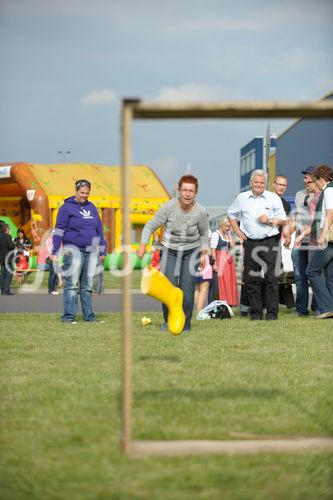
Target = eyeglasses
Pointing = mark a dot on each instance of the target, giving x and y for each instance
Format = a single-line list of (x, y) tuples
[(281, 185), (191, 191)]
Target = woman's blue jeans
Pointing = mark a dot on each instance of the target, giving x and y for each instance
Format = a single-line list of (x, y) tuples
[(300, 258), (320, 274), (180, 268), (79, 269)]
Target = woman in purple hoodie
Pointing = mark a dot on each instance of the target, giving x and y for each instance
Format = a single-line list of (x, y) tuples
[(79, 234)]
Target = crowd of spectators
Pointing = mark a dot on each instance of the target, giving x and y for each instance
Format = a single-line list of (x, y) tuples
[(201, 263)]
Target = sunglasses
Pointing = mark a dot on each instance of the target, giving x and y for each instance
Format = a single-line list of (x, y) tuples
[(82, 183)]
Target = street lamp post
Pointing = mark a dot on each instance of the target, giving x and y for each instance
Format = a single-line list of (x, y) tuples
[(64, 155)]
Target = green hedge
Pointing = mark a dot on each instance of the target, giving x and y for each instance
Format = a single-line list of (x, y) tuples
[(115, 261), (112, 261)]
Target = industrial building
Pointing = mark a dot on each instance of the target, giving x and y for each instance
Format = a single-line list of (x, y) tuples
[(306, 142)]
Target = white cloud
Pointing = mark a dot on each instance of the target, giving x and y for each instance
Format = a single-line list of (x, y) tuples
[(165, 164), (104, 97), (190, 92)]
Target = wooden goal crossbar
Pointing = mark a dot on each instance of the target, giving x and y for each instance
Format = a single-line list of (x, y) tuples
[(136, 109)]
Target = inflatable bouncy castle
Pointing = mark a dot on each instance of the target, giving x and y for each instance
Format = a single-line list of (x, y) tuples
[(31, 194)]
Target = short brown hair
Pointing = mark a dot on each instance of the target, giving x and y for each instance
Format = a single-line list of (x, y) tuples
[(324, 172), (81, 183), (190, 179), (282, 177)]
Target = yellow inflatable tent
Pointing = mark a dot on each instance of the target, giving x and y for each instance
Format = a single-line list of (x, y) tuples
[(31, 194)]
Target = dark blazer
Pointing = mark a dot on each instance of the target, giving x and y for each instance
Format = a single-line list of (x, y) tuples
[(6, 245)]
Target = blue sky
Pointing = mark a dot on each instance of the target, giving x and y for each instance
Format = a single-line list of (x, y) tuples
[(66, 65)]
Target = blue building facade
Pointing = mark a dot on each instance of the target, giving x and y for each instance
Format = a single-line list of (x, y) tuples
[(253, 158), (307, 142)]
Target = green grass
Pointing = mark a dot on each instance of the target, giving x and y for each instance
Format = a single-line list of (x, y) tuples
[(60, 407)]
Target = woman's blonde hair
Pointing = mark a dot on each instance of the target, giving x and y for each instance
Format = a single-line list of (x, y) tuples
[(224, 220)]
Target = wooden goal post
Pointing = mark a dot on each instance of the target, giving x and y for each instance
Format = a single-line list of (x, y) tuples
[(133, 109)]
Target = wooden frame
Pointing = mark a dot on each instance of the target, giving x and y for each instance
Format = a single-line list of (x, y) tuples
[(137, 109)]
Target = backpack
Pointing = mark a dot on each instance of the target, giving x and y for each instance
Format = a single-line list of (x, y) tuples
[(218, 309)]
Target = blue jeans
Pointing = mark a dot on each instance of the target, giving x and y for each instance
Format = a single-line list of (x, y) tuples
[(180, 268), (300, 258), (79, 269), (322, 262)]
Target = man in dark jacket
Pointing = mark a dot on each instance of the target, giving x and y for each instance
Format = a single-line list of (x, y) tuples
[(286, 279), (6, 246)]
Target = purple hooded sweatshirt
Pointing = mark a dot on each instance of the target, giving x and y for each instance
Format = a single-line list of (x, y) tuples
[(79, 226)]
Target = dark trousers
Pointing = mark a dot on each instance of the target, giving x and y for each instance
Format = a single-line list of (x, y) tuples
[(53, 277), (263, 255), (180, 268), (6, 276), (213, 292)]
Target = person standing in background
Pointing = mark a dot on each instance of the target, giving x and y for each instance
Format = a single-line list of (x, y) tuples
[(6, 263), (221, 243), (79, 232), (53, 279), (299, 221), (310, 229), (23, 246), (202, 282), (320, 267), (280, 185), (260, 213), (286, 295)]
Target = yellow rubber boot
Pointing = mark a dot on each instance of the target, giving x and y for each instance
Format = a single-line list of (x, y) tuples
[(155, 284)]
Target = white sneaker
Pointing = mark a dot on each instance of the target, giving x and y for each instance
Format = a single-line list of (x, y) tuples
[(54, 293), (324, 315)]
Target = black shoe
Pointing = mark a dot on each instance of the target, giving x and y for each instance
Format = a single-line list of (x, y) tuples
[(300, 314), (271, 317), (9, 293), (255, 318)]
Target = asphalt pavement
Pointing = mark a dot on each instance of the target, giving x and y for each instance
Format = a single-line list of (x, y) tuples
[(41, 301)]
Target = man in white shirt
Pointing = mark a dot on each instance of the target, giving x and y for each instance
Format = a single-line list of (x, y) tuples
[(260, 213), (320, 268)]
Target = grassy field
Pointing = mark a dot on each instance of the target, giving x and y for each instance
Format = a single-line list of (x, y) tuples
[(60, 407)]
